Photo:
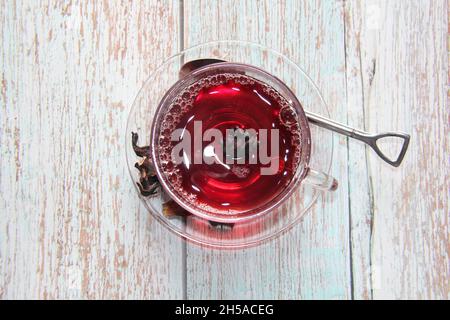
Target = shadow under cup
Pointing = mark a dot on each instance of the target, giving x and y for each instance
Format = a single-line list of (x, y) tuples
[(279, 194)]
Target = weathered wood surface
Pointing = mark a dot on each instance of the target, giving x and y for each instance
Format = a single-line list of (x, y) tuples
[(411, 208), (396, 80), (72, 226), (311, 261)]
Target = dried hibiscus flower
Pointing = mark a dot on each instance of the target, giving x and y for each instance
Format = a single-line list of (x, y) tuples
[(148, 185), (148, 181)]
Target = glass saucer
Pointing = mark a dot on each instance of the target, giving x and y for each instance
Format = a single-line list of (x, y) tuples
[(260, 229)]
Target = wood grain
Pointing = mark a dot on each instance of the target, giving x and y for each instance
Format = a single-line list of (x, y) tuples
[(360, 68), (312, 260), (72, 226), (71, 223), (411, 240)]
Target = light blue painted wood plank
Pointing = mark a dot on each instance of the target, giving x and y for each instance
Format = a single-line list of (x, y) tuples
[(72, 225), (411, 248), (312, 260), (362, 17)]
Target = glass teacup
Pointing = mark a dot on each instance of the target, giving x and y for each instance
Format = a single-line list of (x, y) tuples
[(220, 183)]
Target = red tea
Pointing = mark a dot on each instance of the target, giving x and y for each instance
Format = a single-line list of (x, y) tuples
[(230, 103)]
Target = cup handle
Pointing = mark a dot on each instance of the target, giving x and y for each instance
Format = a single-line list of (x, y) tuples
[(320, 180)]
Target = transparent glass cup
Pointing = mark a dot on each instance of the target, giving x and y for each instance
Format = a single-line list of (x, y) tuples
[(303, 201), (302, 174)]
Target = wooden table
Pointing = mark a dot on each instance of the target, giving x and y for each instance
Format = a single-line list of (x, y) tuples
[(72, 226)]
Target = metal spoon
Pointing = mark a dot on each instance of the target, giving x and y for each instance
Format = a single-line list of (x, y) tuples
[(368, 138)]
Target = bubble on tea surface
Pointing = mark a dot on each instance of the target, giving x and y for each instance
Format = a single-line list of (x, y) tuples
[(213, 79), (169, 166), (163, 157), (186, 95), (183, 106), (176, 108), (166, 133), (241, 172), (173, 178), (190, 196), (265, 88), (163, 142), (295, 127), (242, 80), (168, 126), (191, 90), (169, 118), (176, 118), (187, 107), (297, 154), (288, 115), (295, 139)]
